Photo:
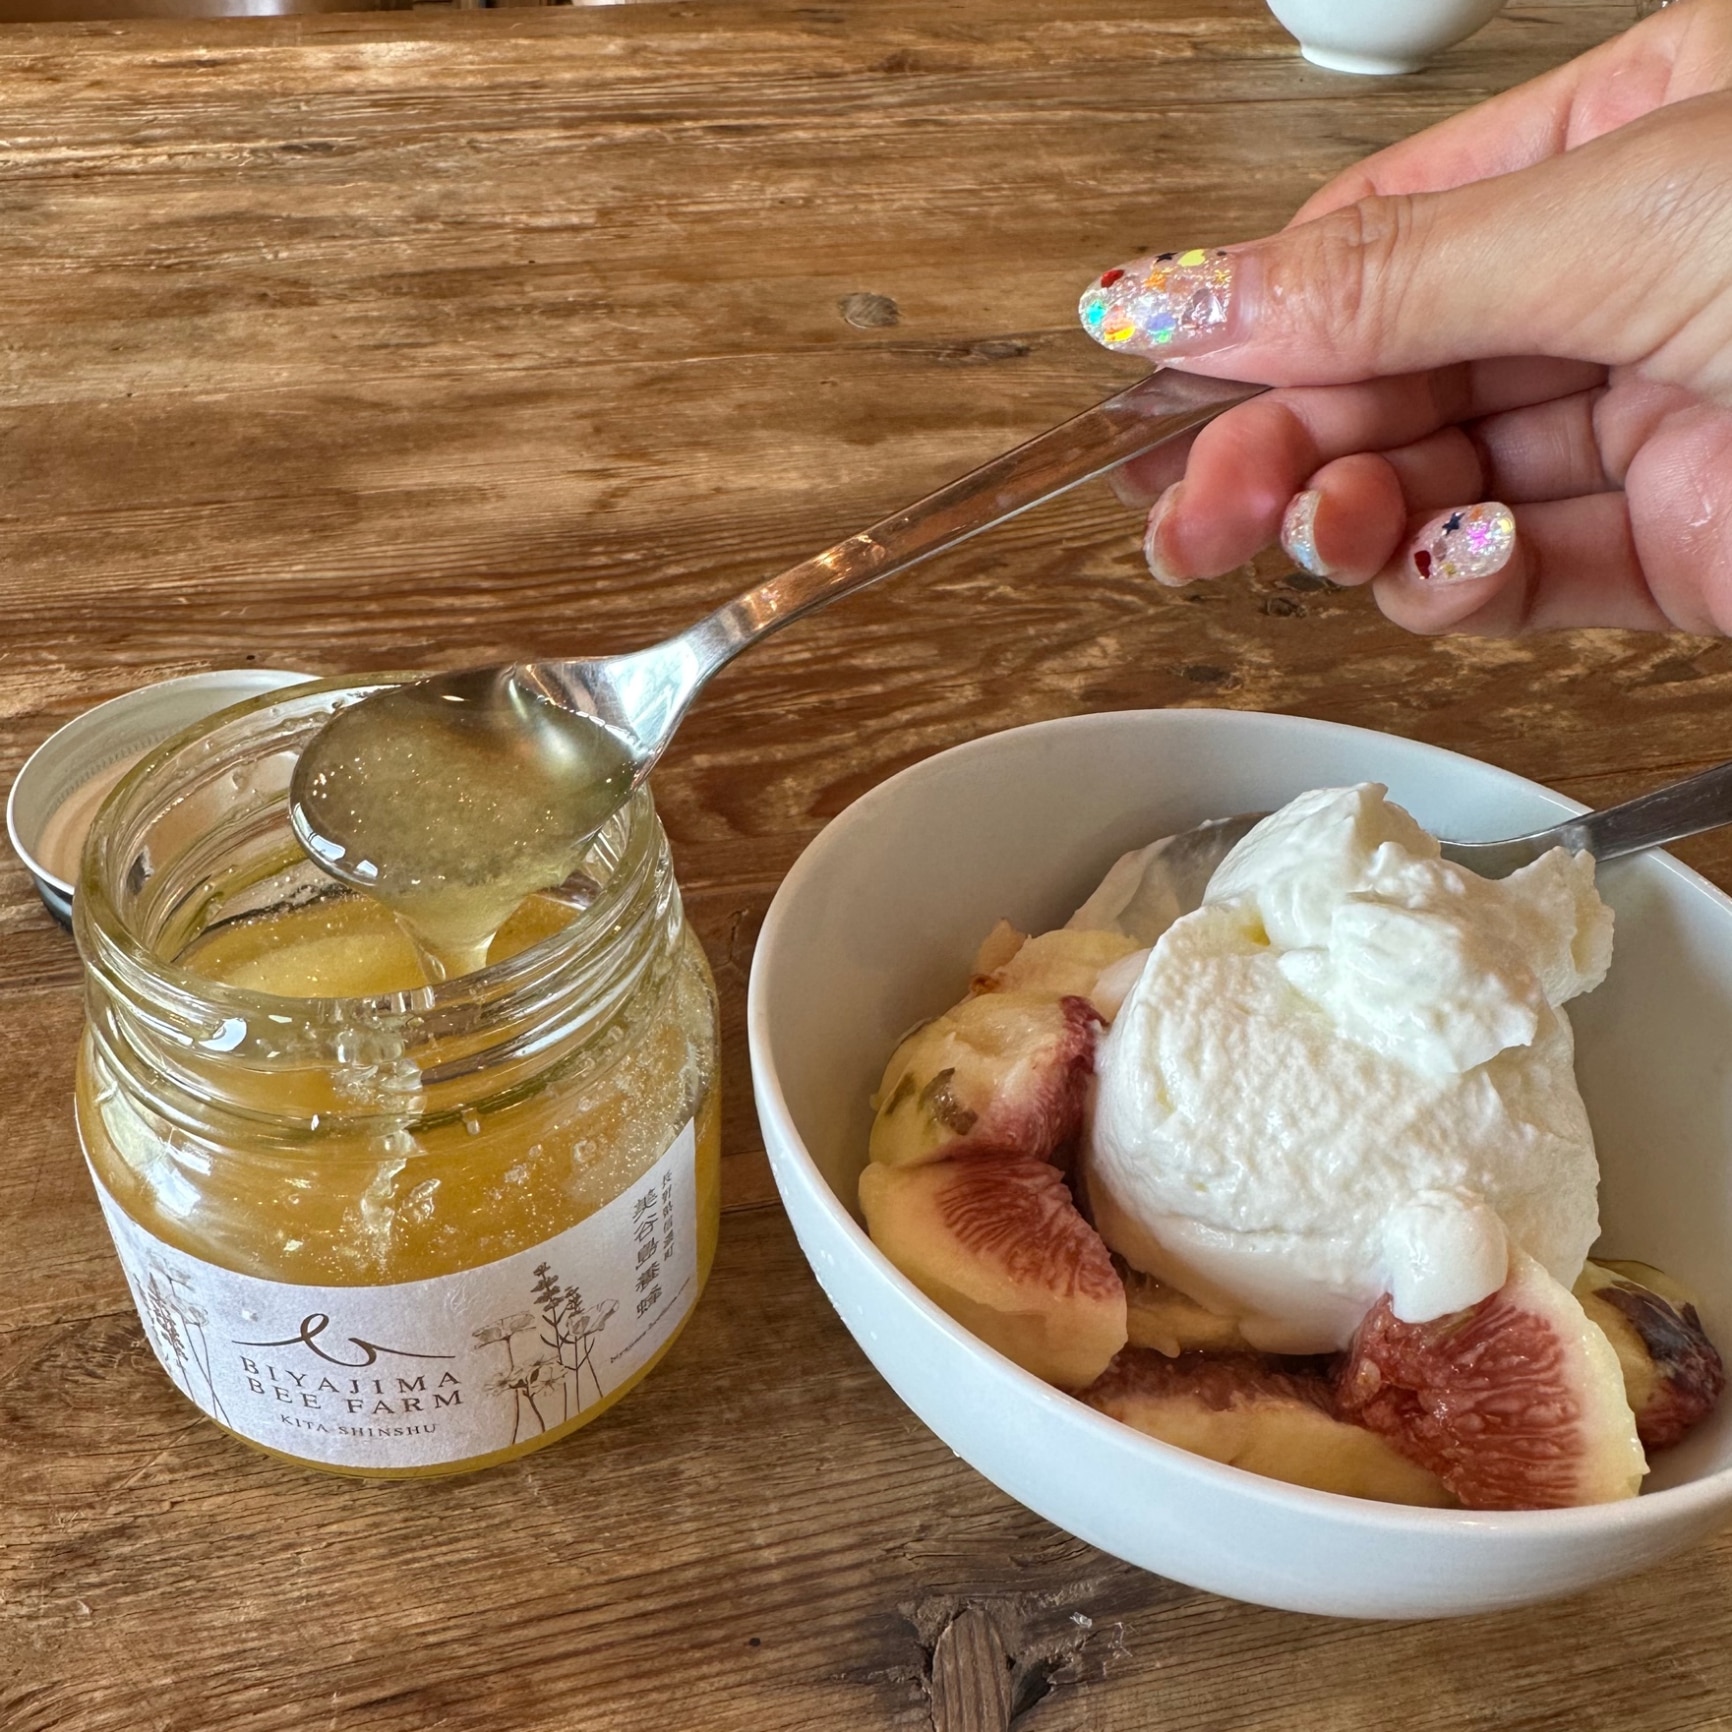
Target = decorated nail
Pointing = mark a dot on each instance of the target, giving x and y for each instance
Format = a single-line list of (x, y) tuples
[(1299, 532), (1473, 541), (1172, 304), (1159, 569)]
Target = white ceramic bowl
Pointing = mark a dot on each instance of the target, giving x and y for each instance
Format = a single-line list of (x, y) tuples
[(1381, 36), (875, 928)]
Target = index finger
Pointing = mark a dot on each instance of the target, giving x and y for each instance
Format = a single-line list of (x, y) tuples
[(1244, 467)]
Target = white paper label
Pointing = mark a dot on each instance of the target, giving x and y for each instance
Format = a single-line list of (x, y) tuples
[(425, 1372)]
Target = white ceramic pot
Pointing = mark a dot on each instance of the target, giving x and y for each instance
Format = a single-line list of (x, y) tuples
[(876, 927), (1381, 36)]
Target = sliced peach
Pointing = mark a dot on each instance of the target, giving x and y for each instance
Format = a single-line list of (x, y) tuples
[(996, 949), (1250, 1411), (1169, 1322), (1005, 1070), (997, 1242), (1061, 964)]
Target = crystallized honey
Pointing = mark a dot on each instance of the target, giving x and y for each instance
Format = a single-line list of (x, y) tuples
[(450, 800), (373, 1223)]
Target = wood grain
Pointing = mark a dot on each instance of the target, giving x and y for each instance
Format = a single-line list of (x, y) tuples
[(403, 340)]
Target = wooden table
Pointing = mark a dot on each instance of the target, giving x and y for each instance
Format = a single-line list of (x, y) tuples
[(404, 340)]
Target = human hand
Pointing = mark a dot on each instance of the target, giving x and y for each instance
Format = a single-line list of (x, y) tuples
[(1581, 225)]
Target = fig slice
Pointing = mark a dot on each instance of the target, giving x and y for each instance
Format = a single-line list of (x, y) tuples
[(1673, 1374), (1007, 1071), (1514, 1403), (1268, 1416), (995, 1240)]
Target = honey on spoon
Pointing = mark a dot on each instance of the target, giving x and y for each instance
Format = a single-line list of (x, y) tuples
[(451, 800)]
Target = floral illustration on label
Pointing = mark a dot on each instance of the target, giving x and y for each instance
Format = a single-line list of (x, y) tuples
[(566, 1333), (423, 1372), (176, 1328)]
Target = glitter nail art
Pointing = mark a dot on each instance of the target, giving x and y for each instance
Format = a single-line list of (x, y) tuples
[(1299, 533), (1174, 303), (1474, 541)]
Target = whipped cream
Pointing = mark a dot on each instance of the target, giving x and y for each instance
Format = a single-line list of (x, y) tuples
[(1349, 1073)]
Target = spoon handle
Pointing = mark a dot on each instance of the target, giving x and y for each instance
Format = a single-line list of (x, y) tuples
[(1153, 410), (1700, 802)]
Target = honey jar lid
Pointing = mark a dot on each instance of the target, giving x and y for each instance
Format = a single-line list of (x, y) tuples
[(57, 792)]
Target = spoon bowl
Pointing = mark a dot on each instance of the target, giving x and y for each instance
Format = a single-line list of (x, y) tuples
[(453, 798)]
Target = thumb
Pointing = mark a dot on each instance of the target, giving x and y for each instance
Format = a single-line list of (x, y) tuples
[(1583, 255)]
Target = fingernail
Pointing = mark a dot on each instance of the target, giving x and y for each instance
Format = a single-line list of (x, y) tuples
[(1299, 533), (1472, 541), (1159, 567), (1171, 304)]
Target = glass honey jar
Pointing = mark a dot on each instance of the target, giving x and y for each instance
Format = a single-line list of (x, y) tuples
[(373, 1224)]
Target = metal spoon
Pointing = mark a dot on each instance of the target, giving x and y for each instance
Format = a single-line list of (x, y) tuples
[(1157, 884), (639, 698)]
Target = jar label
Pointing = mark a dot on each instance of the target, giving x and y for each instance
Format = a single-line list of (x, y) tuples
[(422, 1373)]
